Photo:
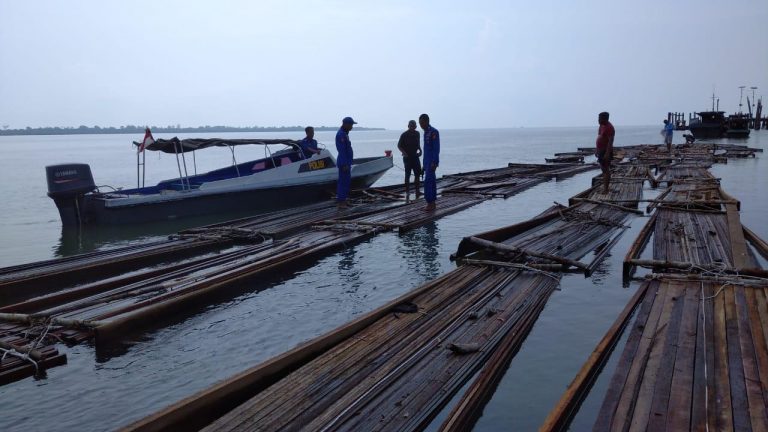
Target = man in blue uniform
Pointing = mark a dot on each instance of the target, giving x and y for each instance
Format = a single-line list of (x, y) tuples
[(309, 144), (431, 161), (344, 162)]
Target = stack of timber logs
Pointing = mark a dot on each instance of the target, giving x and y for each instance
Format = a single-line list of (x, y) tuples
[(697, 353), (108, 294), (395, 368)]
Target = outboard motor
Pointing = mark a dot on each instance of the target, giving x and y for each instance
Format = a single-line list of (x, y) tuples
[(67, 186)]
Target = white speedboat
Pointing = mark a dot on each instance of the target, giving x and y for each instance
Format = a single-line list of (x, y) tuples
[(282, 179)]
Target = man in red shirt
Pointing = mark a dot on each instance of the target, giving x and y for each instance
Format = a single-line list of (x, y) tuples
[(604, 147)]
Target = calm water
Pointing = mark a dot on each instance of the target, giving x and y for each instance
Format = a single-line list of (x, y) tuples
[(108, 388)]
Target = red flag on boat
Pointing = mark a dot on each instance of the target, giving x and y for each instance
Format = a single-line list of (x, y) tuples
[(148, 140)]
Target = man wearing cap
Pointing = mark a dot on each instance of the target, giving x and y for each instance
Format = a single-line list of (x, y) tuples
[(410, 147), (431, 161), (344, 162), (604, 148)]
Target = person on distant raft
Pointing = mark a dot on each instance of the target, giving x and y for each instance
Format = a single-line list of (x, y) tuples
[(309, 144), (604, 148), (431, 161), (410, 147), (668, 132), (344, 162)]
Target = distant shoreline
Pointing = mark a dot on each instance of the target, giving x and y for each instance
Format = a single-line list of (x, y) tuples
[(131, 129)]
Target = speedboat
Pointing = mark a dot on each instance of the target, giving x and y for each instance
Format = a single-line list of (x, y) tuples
[(282, 179)]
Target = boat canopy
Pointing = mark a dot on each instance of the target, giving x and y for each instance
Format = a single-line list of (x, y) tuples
[(175, 145)]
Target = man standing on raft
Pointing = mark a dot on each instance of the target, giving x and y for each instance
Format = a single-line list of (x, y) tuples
[(410, 147), (604, 148), (344, 162), (431, 161)]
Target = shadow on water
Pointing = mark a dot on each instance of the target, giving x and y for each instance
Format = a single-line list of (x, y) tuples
[(420, 248)]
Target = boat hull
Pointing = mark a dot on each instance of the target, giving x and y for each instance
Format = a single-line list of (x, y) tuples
[(737, 133), (707, 131)]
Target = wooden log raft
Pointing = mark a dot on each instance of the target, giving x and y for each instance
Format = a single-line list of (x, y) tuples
[(507, 248)]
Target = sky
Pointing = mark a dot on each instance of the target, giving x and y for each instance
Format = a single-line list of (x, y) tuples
[(480, 64)]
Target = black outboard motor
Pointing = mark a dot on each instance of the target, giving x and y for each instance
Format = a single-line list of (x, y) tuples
[(67, 185)]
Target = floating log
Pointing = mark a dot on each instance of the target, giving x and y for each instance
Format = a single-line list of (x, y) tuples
[(698, 267), (466, 246), (34, 354), (637, 248), (760, 245), (62, 322), (507, 248), (610, 203)]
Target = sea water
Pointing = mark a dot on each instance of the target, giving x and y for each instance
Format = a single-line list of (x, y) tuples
[(110, 387)]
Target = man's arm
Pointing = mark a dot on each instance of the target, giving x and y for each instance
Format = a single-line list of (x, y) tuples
[(400, 144), (436, 148)]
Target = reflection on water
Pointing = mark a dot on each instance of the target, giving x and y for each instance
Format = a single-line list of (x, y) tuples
[(77, 240), (349, 271), (420, 249)]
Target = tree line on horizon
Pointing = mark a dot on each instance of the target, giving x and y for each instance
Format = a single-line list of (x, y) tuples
[(132, 129)]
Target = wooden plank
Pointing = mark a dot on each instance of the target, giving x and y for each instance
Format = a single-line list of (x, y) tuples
[(617, 385), (634, 381), (739, 402), (642, 403), (754, 390), (736, 234), (703, 402), (681, 391), (755, 301), (761, 305), (724, 416), (662, 390)]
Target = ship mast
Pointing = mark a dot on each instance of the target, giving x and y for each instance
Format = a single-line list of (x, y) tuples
[(741, 96)]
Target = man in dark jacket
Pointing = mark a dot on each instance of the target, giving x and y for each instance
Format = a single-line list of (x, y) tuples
[(410, 147)]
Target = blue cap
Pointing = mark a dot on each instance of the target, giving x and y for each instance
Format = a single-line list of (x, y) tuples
[(348, 120)]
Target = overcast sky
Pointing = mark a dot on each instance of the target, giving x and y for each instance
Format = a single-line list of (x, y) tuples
[(467, 64)]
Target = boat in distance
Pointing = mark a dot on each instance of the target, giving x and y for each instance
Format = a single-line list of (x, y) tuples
[(282, 179)]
